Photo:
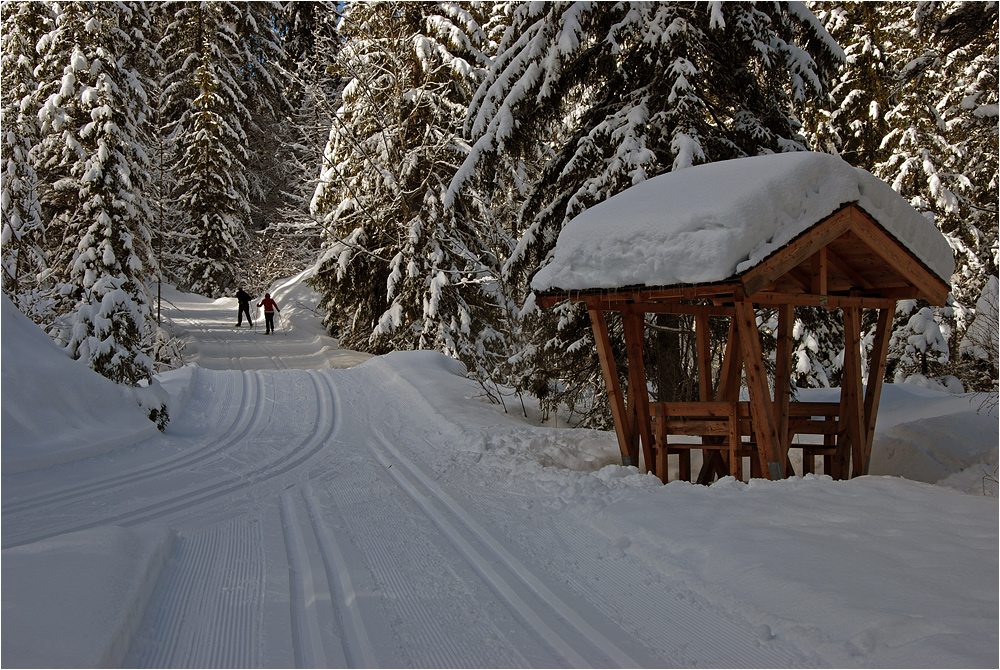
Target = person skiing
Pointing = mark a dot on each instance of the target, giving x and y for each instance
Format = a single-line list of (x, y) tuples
[(269, 307), (244, 299)]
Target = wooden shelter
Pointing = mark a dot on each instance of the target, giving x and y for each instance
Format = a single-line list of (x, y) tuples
[(846, 261)]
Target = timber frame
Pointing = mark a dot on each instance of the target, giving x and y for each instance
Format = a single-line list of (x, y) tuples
[(847, 261)]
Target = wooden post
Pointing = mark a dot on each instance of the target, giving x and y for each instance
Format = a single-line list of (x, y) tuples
[(735, 457), (610, 372), (851, 406), (772, 459), (704, 346), (876, 371), (638, 399), (660, 438), (820, 272), (783, 375)]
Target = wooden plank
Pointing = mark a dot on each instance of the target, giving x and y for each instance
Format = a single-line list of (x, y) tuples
[(775, 299), (812, 427), (696, 427), (711, 409), (852, 408), (634, 323), (797, 251), (783, 373), (876, 373), (667, 307), (610, 372), (810, 409), (934, 289), (772, 458)]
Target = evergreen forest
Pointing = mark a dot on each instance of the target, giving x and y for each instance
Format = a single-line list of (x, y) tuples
[(420, 159)]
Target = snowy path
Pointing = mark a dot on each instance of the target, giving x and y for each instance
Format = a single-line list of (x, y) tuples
[(355, 518)]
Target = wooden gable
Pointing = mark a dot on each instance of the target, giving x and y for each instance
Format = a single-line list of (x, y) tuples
[(846, 254)]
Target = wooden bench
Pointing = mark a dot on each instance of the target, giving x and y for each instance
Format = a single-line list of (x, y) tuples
[(727, 427)]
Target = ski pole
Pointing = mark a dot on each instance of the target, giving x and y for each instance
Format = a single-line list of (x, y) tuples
[(282, 322)]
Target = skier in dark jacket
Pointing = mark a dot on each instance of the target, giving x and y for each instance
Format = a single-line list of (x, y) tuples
[(269, 308), (244, 299)]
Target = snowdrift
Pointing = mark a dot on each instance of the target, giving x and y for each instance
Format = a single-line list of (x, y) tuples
[(55, 409)]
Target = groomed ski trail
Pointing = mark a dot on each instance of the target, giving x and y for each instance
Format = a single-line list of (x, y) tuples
[(317, 525)]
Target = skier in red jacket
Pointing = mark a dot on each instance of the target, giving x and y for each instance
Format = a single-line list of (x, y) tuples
[(269, 307)]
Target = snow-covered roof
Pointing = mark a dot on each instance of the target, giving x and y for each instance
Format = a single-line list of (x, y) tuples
[(711, 222)]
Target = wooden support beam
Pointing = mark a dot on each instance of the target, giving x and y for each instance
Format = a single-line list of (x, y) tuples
[(851, 403), (783, 374), (934, 289), (672, 307), (610, 372), (772, 458), (876, 372), (704, 346), (775, 299), (820, 272), (638, 399), (735, 443)]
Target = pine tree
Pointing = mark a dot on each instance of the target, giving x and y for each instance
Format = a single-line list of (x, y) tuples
[(24, 259), (927, 74), (623, 92), (91, 154), (400, 270), (220, 94)]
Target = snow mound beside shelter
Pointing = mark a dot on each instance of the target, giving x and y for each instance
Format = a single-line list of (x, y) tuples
[(710, 222)]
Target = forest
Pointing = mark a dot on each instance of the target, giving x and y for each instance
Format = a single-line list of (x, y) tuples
[(420, 159)]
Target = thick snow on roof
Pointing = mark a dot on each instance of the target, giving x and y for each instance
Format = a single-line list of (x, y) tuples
[(710, 222)]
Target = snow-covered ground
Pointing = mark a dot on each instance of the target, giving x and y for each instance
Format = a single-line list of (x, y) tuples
[(302, 512)]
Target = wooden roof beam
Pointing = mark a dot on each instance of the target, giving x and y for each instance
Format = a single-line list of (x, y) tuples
[(796, 252), (933, 288), (775, 298)]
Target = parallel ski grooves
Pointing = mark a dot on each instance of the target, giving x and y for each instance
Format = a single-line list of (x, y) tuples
[(196, 626), (222, 442), (536, 619), (307, 448)]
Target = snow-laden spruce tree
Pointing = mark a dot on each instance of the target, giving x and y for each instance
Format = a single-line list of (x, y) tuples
[(92, 104), (942, 146), (311, 42), (220, 96), (619, 93), (398, 268), (24, 258), (915, 104)]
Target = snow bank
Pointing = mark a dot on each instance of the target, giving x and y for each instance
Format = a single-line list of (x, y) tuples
[(709, 222), (873, 568), (878, 571), (91, 587), (56, 409)]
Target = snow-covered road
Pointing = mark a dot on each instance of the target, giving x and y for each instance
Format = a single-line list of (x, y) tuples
[(374, 516)]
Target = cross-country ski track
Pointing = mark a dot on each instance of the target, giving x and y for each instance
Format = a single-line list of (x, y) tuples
[(313, 516)]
